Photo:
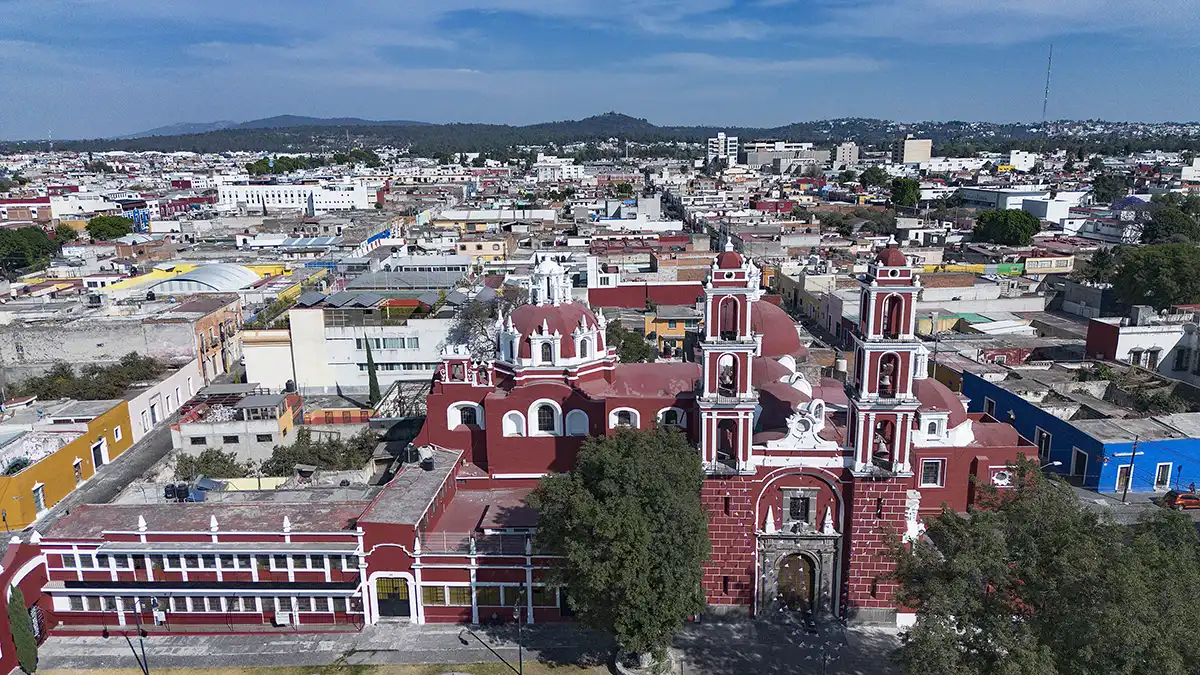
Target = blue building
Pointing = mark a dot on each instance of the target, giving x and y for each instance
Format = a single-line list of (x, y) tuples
[(1092, 439)]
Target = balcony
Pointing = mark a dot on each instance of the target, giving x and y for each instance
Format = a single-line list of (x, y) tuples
[(471, 543)]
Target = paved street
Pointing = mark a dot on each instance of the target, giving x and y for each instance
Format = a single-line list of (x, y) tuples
[(708, 649)]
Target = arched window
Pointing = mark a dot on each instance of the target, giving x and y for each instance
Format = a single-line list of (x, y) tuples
[(893, 308), (933, 429), (545, 418), (584, 347), (624, 418), (514, 424), (577, 423), (727, 375), (547, 353), (467, 416), (889, 376), (729, 320), (670, 417), (508, 350)]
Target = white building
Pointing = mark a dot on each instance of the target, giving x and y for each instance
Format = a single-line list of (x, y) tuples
[(723, 147), (326, 197), (1021, 160), (999, 198), (846, 154), (159, 400), (912, 150)]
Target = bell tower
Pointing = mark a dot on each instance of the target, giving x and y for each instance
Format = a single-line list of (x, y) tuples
[(727, 399), (882, 402)]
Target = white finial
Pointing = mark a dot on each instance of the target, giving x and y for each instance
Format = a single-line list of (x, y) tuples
[(287, 524), (769, 525), (141, 524), (15, 540), (892, 240), (212, 524), (36, 537), (827, 527), (728, 243)]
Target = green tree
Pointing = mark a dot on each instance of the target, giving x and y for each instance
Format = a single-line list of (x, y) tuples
[(1069, 167), (633, 535), (1011, 227), (624, 189), (1159, 275), (848, 176), (906, 191), (212, 463), (1099, 269), (107, 228), (373, 393), (25, 247), (93, 382), (21, 627), (873, 177), (1036, 582), (324, 450), (1170, 224), (1096, 164), (631, 347), (65, 234), (1107, 188)]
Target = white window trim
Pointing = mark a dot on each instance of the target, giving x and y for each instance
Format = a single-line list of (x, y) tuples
[(576, 414), (989, 403), (531, 427), (117, 433), (1167, 485), (681, 416), (1075, 453), (636, 422), (524, 424), (941, 462), (1117, 485), (454, 414)]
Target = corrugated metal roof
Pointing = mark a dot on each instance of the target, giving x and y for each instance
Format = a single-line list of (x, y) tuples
[(216, 277)]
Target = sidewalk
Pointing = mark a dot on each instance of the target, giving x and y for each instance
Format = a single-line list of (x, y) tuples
[(707, 649)]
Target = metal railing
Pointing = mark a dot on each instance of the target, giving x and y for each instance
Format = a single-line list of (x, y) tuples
[(468, 543)]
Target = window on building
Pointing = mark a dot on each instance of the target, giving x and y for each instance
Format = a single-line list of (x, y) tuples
[(545, 415), (121, 562), (932, 429), (433, 595), (320, 604), (1183, 358), (284, 604), (209, 562), (227, 561), (117, 433), (798, 509), (214, 604), (249, 604), (300, 562), (547, 353), (459, 596), (544, 596), (585, 348), (280, 562), (39, 498), (229, 440), (264, 438), (467, 415), (244, 562), (191, 562), (487, 596), (197, 440), (179, 604), (1042, 439), (671, 324), (989, 407), (68, 561), (414, 343), (78, 471), (624, 418), (76, 603), (933, 472), (670, 417), (233, 604), (303, 604), (110, 603)]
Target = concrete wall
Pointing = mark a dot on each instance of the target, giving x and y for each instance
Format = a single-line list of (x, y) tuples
[(268, 355), (31, 349), (154, 405)]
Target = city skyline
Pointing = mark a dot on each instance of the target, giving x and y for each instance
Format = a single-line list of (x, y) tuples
[(88, 70)]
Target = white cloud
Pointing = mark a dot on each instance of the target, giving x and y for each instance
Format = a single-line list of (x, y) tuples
[(701, 62)]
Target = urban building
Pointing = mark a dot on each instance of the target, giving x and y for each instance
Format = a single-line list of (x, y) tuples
[(273, 198), (845, 155), (244, 419), (912, 150), (724, 148)]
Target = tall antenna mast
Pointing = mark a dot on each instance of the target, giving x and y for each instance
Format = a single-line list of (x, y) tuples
[(1046, 99)]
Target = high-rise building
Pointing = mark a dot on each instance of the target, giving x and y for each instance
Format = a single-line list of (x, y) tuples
[(723, 147), (912, 150), (845, 155)]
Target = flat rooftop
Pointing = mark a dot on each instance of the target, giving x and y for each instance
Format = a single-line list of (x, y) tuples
[(405, 500), (91, 521)]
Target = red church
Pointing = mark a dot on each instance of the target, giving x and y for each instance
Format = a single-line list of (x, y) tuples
[(808, 481)]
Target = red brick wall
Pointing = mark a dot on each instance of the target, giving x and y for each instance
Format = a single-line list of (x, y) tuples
[(733, 542), (874, 526)]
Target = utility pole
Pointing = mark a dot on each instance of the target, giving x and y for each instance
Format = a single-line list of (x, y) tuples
[(1046, 98), (1132, 460)]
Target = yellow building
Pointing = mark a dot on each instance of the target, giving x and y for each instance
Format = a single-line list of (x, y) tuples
[(49, 449), (670, 325), (486, 249)]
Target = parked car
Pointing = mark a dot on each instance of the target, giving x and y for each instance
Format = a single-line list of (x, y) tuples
[(1181, 500)]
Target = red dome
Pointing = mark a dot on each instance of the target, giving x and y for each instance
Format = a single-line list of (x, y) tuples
[(937, 397), (729, 260), (778, 330), (891, 257), (563, 319)]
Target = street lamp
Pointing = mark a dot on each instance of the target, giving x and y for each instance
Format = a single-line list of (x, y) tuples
[(520, 641), (1054, 463)]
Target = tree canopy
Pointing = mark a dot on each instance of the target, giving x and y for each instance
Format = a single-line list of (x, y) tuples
[(1159, 275), (1170, 224), (1011, 227), (1107, 188), (211, 463), (1035, 582), (633, 535), (873, 177), (21, 627), (93, 382), (1100, 268), (25, 247), (631, 347), (906, 191), (322, 450), (64, 234), (107, 228), (474, 326)]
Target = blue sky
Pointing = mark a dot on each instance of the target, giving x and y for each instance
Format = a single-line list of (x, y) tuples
[(85, 68)]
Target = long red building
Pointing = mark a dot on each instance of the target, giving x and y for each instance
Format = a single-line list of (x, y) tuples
[(808, 481)]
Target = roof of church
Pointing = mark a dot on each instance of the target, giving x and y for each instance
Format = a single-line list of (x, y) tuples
[(891, 257), (936, 396), (646, 380), (564, 319), (778, 330)]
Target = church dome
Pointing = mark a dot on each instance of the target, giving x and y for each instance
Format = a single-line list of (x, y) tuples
[(564, 319), (729, 260), (891, 257), (937, 397), (778, 330)]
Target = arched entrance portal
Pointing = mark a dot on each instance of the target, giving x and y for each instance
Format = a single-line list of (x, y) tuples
[(392, 595), (797, 582)]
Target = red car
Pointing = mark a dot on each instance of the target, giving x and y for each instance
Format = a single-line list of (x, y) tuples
[(1181, 500)]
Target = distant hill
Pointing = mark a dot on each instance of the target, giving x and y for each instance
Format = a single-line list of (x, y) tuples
[(297, 134), (276, 122)]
